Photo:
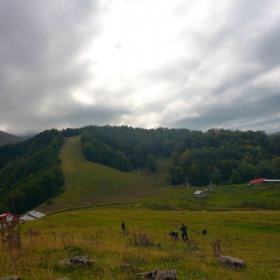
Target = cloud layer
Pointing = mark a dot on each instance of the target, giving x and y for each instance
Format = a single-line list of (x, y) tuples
[(182, 64)]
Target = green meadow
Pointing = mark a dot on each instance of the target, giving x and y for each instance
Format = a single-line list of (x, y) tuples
[(245, 219)]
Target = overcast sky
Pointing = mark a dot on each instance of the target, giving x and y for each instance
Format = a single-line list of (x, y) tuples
[(195, 64)]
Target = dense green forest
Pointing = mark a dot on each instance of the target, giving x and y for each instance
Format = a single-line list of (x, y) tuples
[(216, 155), (30, 172)]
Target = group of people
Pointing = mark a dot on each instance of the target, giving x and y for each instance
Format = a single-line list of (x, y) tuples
[(183, 228), (174, 234)]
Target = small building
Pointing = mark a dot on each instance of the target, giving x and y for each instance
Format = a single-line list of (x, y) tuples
[(35, 214), (32, 215), (199, 194), (25, 218), (7, 218), (271, 180)]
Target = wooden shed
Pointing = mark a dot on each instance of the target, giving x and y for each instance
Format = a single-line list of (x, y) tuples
[(199, 194)]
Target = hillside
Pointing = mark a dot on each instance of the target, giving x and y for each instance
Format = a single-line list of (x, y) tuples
[(6, 138), (30, 172), (217, 155), (73, 228), (99, 186), (274, 133), (123, 165)]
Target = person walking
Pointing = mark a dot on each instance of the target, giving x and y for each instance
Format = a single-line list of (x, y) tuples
[(183, 228), (123, 228)]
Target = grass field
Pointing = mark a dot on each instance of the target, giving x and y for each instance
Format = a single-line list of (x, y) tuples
[(151, 210), (252, 236)]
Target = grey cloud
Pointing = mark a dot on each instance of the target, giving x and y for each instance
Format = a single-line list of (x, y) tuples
[(240, 114), (238, 29), (65, 114), (176, 71), (41, 43), (97, 115), (267, 48), (39, 46), (253, 106)]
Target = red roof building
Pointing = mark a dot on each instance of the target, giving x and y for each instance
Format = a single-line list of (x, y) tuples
[(257, 181), (5, 215)]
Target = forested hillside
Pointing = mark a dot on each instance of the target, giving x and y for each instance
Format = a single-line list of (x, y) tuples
[(30, 171), (216, 155)]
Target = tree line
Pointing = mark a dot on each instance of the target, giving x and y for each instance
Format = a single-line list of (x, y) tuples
[(98, 151), (197, 157), (30, 172)]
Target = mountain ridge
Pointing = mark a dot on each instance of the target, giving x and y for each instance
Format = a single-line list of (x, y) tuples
[(7, 138)]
